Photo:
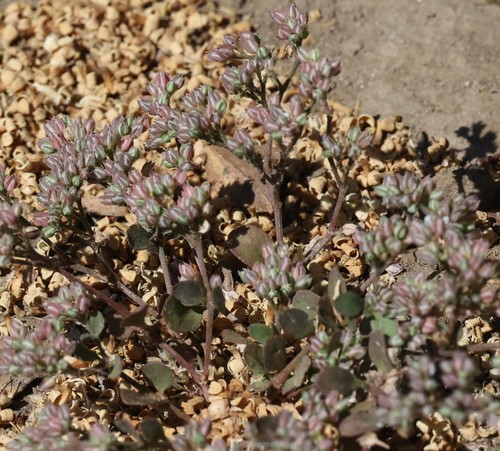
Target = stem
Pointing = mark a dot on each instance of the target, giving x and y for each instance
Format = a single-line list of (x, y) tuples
[(283, 375), (196, 244), (164, 267), (274, 192), (285, 85)]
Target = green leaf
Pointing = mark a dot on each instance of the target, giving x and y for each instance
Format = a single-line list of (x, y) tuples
[(325, 313), (336, 378), (138, 237), (159, 374), (377, 350), (349, 304), (260, 332), (274, 353), (386, 325), (95, 324), (295, 323), (336, 284), (307, 301), (298, 375), (117, 367), (219, 300), (189, 293), (152, 431), (253, 357), (231, 336), (360, 423), (134, 398), (85, 354), (246, 243), (260, 385), (135, 318), (180, 318)]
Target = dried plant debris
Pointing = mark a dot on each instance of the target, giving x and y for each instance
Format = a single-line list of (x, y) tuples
[(305, 343)]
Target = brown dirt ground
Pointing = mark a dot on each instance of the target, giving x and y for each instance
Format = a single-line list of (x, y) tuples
[(434, 63)]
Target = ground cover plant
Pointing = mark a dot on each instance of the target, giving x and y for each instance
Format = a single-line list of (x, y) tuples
[(248, 263)]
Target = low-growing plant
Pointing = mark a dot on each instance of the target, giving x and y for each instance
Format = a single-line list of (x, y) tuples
[(365, 356)]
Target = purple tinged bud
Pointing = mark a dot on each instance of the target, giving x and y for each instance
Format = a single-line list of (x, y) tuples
[(249, 42)]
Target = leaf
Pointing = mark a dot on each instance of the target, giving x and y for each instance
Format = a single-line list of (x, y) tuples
[(152, 431), (336, 378), (307, 301), (349, 304), (325, 313), (81, 352), (231, 336), (260, 332), (117, 367), (219, 300), (95, 324), (377, 350), (159, 374), (135, 318), (336, 284), (295, 323), (298, 375), (246, 243), (386, 325), (253, 357), (180, 318), (138, 237), (236, 179), (260, 385), (189, 293), (360, 423), (134, 398), (274, 353)]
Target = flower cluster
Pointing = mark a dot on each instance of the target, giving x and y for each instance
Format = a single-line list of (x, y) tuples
[(42, 350), (443, 385), (77, 153), (386, 242), (8, 183), (277, 276), (316, 74), (408, 192), (292, 24), (53, 432), (197, 116), (278, 122)]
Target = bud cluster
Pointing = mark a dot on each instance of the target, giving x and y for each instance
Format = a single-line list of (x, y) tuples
[(443, 385), (291, 23), (77, 153), (197, 116), (53, 432), (278, 122), (277, 276), (42, 350)]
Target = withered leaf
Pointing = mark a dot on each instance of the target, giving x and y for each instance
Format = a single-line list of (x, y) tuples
[(236, 179)]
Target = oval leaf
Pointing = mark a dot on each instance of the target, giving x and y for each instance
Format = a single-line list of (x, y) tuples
[(336, 284), (95, 324), (298, 375), (246, 243), (134, 398), (274, 353), (295, 323), (307, 301), (159, 374), (360, 423), (377, 350), (260, 332), (386, 325), (253, 357), (152, 431), (349, 304), (189, 293), (336, 378), (138, 237), (181, 318)]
